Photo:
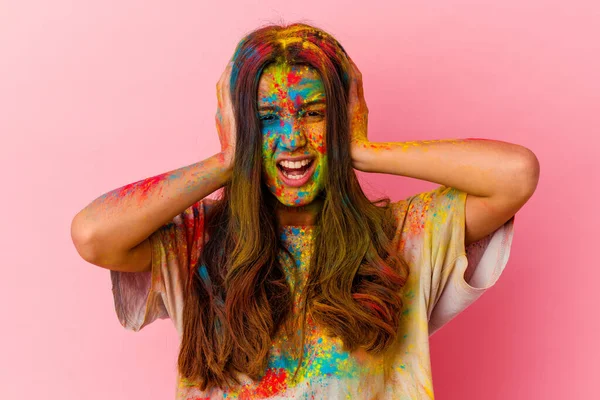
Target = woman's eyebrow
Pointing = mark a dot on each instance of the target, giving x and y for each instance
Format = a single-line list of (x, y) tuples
[(267, 108), (310, 103), (306, 104)]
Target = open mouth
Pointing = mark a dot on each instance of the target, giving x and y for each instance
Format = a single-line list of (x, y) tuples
[(296, 174), (295, 171)]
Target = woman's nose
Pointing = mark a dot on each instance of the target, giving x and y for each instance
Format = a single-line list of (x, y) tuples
[(292, 136)]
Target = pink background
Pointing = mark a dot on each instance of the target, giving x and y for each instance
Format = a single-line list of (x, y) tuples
[(95, 95)]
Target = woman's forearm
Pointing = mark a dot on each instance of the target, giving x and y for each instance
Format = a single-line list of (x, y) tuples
[(121, 219), (479, 167)]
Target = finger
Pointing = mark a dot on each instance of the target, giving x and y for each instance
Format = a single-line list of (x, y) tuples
[(224, 73), (360, 89), (223, 80), (353, 89), (227, 72), (356, 71), (352, 96), (356, 82), (354, 67), (219, 99), (226, 85), (359, 82), (227, 80)]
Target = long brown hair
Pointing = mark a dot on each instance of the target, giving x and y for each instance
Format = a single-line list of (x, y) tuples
[(238, 298)]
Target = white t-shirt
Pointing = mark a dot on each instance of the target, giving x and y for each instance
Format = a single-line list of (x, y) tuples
[(445, 278)]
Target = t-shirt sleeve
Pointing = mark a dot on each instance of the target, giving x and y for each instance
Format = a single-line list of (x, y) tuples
[(142, 297), (451, 275)]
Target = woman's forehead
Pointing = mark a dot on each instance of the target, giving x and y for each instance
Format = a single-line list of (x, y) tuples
[(283, 80)]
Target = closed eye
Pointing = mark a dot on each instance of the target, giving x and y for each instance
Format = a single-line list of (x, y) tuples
[(314, 113), (310, 113), (267, 117)]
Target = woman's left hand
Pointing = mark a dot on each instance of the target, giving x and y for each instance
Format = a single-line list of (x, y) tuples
[(358, 113)]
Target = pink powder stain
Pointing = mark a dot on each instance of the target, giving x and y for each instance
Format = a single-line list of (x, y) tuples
[(293, 78), (279, 191), (371, 304), (415, 222), (321, 145), (143, 186), (271, 384), (298, 101), (377, 146), (281, 93)]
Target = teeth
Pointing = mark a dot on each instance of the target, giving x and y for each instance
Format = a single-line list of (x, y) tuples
[(294, 177), (295, 165)]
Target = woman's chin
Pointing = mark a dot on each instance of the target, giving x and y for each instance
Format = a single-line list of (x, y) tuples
[(295, 197), (295, 203)]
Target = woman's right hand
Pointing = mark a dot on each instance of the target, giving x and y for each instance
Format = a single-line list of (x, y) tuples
[(225, 118)]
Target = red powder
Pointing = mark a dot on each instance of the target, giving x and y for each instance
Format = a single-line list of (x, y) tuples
[(271, 384), (293, 78), (144, 186), (365, 300)]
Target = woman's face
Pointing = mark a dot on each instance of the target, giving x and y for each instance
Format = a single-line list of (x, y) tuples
[(291, 106)]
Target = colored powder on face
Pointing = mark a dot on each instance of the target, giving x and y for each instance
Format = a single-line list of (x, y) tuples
[(291, 128), (293, 78)]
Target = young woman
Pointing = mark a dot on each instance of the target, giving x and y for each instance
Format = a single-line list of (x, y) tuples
[(293, 284)]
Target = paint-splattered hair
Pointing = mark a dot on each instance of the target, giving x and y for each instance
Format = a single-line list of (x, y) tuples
[(238, 298)]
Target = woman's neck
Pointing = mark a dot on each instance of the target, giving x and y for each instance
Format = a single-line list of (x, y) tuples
[(301, 215)]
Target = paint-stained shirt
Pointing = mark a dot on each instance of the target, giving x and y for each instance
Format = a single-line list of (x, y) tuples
[(445, 278)]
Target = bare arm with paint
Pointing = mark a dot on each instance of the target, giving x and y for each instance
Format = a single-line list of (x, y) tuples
[(498, 177), (113, 230)]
